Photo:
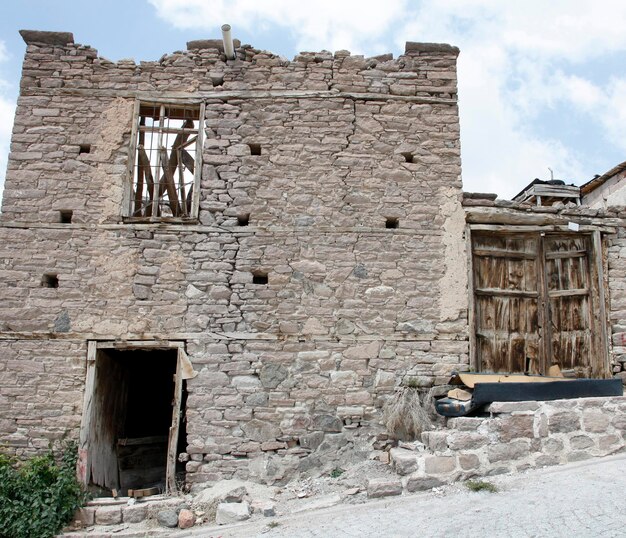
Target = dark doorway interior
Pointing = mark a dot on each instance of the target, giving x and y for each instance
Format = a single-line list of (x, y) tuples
[(133, 396)]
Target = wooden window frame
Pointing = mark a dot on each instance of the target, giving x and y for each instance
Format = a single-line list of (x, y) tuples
[(128, 201)]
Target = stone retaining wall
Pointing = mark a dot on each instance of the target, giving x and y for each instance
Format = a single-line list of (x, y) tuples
[(514, 437)]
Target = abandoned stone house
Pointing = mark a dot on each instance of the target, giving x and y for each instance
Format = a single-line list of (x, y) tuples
[(225, 267)]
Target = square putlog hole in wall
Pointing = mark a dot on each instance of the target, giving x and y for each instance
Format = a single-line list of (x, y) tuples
[(408, 157), (255, 149), (243, 220), (391, 222), (84, 148), (50, 280), (259, 277), (65, 216)]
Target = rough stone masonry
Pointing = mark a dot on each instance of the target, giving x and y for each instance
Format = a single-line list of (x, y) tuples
[(336, 178)]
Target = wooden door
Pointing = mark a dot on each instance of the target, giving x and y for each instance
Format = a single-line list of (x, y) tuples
[(534, 296), (506, 288), (568, 302)]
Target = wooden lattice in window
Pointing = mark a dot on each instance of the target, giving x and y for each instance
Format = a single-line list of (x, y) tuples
[(167, 165)]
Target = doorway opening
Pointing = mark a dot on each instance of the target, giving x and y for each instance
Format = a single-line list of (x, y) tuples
[(134, 427)]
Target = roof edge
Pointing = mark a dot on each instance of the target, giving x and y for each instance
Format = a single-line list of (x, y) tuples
[(596, 182)]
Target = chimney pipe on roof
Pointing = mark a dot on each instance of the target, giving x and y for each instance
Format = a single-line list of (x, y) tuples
[(229, 48)]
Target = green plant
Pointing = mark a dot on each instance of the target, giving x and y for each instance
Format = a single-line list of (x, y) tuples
[(336, 472), (39, 496), (273, 524), (481, 485)]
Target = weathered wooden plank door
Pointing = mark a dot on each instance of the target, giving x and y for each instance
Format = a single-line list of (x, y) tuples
[(506, 288), (534, 301), (568, 302)]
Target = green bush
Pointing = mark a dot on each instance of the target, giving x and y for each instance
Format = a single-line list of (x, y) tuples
[(39, 496)]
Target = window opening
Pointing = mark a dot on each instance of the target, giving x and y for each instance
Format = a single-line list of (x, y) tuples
[(243, 220), (391, 222), (65, 216), (259, 277), (255, 149), (84, 148), (50, 280), (408, 157), (166, 164)]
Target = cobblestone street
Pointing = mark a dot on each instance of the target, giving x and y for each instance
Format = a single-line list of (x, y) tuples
[(577, 500)]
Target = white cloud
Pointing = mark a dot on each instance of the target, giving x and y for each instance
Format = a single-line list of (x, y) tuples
[(514, 65), (7, 113), (513, 68), (612, 111), (328, 24)]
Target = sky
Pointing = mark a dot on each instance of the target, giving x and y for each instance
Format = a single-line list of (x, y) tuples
[(542, 84)]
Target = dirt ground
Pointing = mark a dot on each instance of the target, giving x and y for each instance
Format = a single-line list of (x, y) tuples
[(582, 499)]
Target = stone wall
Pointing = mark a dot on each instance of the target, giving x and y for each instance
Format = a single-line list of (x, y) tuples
[(292, 371), (514, 437), (616, 257)]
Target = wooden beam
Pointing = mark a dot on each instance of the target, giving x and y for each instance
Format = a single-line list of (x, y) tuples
[(170, 130), (188, 160), (185, 98), (152, 440), (502, 253), (139, 344), (83, 466), (498, 292), (543, 311), (566, 254), (144, 166), (471, 313), (556, 294), (194, 192), (192, 140), (598, 259), (126, 208), (172, 450), (546, 228), (181, 185), (170, 185)]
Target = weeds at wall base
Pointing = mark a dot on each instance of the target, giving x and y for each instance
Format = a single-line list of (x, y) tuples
[(40, 495)]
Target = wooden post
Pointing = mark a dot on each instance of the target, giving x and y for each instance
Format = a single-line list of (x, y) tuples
[(144, 168), (195, 191), (474, 363), (156, 190), (127, 198), (168, 179), (602, 318), (83, 468), (172, 447), (543, 309)]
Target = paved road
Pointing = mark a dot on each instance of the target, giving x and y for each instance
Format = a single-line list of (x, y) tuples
[(577, 500)]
